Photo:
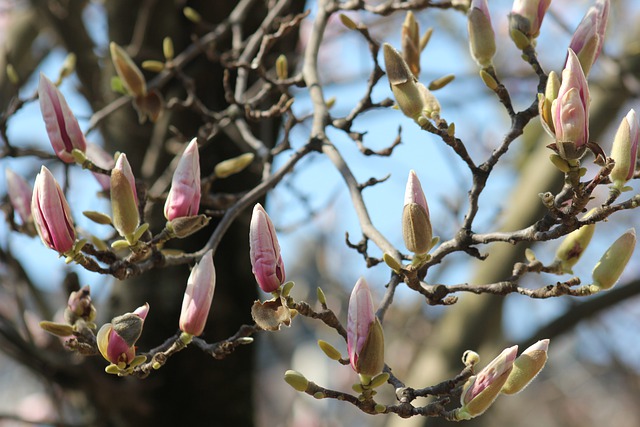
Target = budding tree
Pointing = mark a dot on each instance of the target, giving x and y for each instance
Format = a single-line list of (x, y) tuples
[(193, 126)]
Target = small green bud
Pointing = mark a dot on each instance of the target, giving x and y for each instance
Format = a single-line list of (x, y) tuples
[(488, 80), (573, 246), (282, 67), (608, 270), (58, 329), (331, 352), (560, 163), (470, 358), (98, 217), (68, 66), (167, 48), (545, 100), (392, 262), (379, 380), (322, 299), (348, 22), (380, 408), (191, 15), (234, 165), (112, 369), (441, 82), (319, 395), (357, 387), (153, 65), (12, 74), (186, 338), (296, 380)]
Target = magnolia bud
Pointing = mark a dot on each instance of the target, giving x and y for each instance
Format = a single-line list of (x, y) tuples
[(545, 100), (608, 270), (413, 98), (570, 111), (482, 40), (124, 199), (264, 251), (526, 367), (573, 246), (79, 306), (128, 71), (198, 296), (587, 41), (525, 20), (410, 40), (19, 195), (624, 150), (51, 213), (480, 390), (365, 339), (296, 380), (416, 225), (184, 197), (62, 126), (234, 165)]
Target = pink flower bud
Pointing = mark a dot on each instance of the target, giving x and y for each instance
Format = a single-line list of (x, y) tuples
[(416, 224), (62, 126), (365, 341), (525, 20), (19, 195), (198, 296), (124, 199), (588, 39), (79, 306), (51, 213), (184, 196), (116, 340), (264, 251), (624, 150), (570, 111), (480, 391), (482, 40), (102, 159)]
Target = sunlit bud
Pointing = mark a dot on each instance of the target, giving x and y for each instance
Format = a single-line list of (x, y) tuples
[(570, 111), (20, 194), (184, 196), (264, 251), (282, 67), (588, 39), (191, 14), (410, 40), (573, 246), (331, 352), (198, 296), (128, 71), (234, 165), (482, 40), (525, 20), (481, 390), (103, 160), (167, 48), (68, 66), (51, 213), (416, 225), (624, 150), (412, 97), (365, 340), (62, 126), (124, 200), (526, 367), (296, 380), (79, 306), (608, 270), (116, 340), (545, 100), (153, 65)]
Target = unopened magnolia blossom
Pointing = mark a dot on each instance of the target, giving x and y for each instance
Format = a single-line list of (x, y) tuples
[(124, 198), (184, 196), (20, 194), (588, 39), (264, 251), (365, 340), (62, 126), (198, 296), (51, 213)]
